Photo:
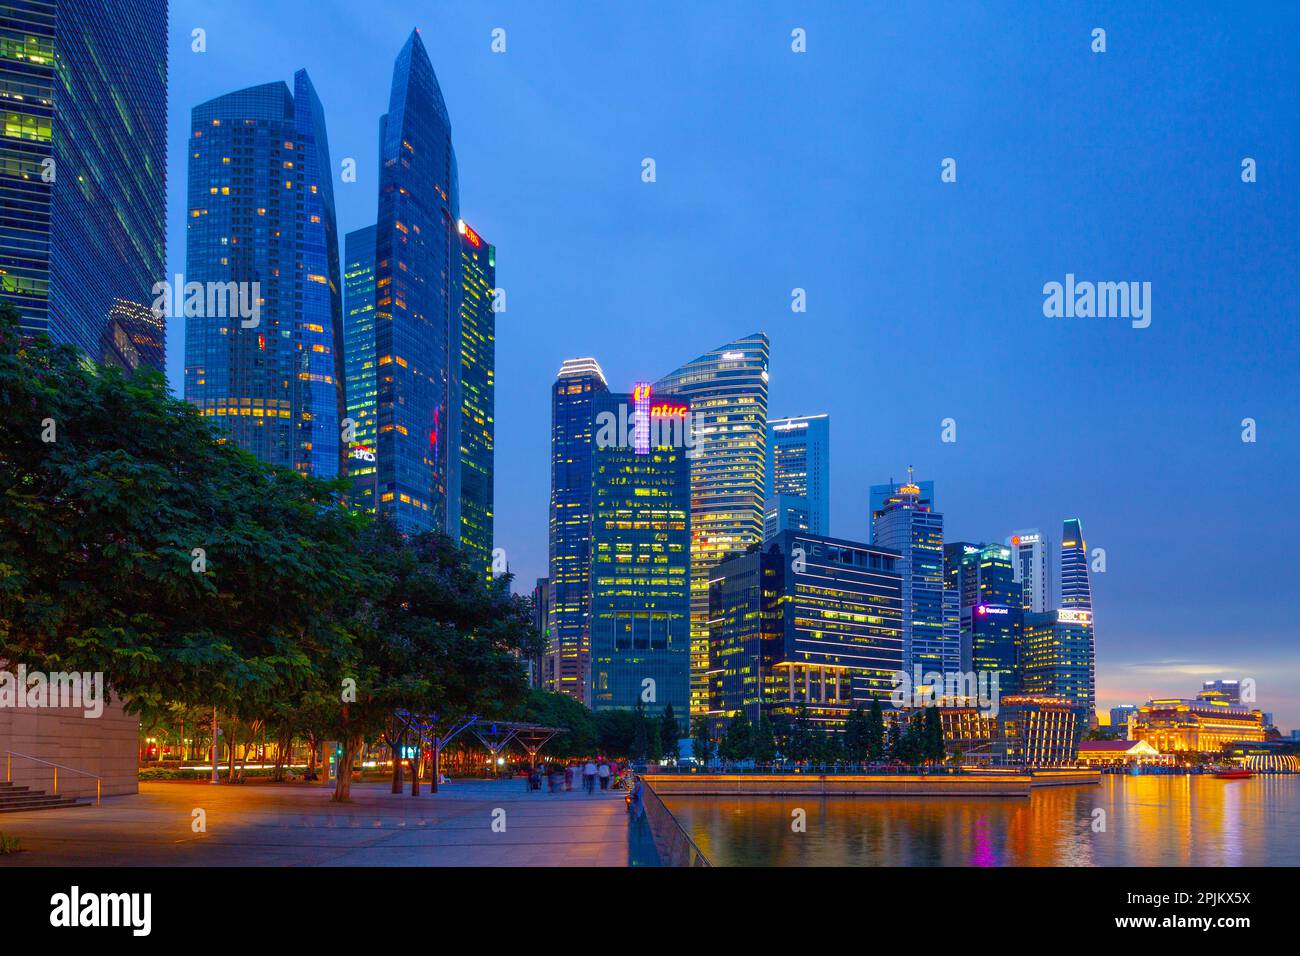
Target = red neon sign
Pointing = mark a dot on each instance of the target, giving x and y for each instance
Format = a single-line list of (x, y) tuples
[(665, 410), (472, 236)]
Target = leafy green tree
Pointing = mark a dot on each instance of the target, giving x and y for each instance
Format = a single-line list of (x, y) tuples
[(701, 741), (875, 731), (801, 746), (764, 739), (894, 741), (857, 747), (737, 742), (561, 710), (616, 732), (933, 735), (640, 747), (669, 734)]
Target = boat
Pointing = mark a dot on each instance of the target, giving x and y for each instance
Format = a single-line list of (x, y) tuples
[(1236, 773)]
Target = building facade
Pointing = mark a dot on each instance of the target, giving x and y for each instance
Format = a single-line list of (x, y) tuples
[(478, 269), (798, 469), (417, 307), (1056, 659), (640, 555), (1119, 717), (931, 612), (1032, 560), (804, 620), (727, 392), (566, 665), (359, 364), (83, 173), (1205, 725), (260, 231), (991, 610)]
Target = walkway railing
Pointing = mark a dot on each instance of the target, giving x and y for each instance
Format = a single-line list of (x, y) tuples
[(673, 843), (9, 772)]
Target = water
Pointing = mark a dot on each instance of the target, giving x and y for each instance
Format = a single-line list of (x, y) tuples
[(1149, 821)]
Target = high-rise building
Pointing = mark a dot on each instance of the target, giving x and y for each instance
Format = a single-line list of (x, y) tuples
[(931, 612), (1031, 558), (542, 625), (804, 620), (261, 228), (1119, 717), (1056, 659), (727, 392), (478, 268), (417, 307), (640, 553), (798, 467), (83, 173), (991, 610), (359, 362), (1229, 689), (1076, 590), (785, 513), (566, 666), (879, 494)]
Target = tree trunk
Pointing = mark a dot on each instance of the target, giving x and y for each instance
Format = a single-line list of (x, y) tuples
[(343, 782), (415, 772), (231, 741), (397, 765)]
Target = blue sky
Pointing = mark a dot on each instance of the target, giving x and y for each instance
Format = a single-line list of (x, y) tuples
[(821, 171)]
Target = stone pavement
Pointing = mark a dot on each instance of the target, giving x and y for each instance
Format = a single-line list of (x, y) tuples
[(297, 825)]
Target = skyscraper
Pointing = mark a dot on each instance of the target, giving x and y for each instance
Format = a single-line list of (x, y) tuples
[(83, 173), (1056, 659), (798, 467), (1076, 591), (990, 608), (261, 222), (640, 554), (804, 620), (417, 307), (727, 392), (931, 612), (359, 362), (879, 494), (1031, 558), (566, 666), (478, 267)]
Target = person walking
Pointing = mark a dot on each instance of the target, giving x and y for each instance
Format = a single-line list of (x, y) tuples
[(589, 777), (603, 772), (568, 778)]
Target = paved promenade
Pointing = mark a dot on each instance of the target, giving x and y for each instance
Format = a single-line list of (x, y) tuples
[(296, 825)]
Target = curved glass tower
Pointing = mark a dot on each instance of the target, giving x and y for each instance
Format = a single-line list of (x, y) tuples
[(727, 391), (261, 232), (417, 311)]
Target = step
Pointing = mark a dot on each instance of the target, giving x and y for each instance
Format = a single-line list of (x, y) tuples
[(41, 803)]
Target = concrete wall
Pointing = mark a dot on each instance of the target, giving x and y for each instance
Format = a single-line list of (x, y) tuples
[(106, 745)]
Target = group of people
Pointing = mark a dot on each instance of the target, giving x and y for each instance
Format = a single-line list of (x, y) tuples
[(593, 773)]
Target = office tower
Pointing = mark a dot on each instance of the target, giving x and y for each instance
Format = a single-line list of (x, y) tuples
[(359, 362), (542, 625), (727, 392), (1056, 659), (804, 620), (1076, 591), (785, 513), (1229, 689), (640, 553), (417, 308), (478, 268), (991, 611), (931, 613), (261, 233), (83, 173), (798, 470), (1119, 717), (566, 668), (1032, 560), (879, 494)]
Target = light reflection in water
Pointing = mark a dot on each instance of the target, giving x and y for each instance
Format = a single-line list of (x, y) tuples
[(1149, 821)]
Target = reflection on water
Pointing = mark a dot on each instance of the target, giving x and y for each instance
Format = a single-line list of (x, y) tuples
[(1149, 821)]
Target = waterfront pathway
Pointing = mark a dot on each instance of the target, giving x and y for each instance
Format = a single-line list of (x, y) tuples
[(297, 825)]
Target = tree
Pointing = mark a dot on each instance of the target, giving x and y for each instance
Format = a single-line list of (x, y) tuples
[(764, 739), (702, 741), (894, 749), (933, 736), (640, 748), (856, 744), (801, 744), (737, 743), (875, 731), (669, 733), (561, 710)]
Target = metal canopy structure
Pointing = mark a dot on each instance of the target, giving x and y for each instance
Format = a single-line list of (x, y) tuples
[(497, 735)]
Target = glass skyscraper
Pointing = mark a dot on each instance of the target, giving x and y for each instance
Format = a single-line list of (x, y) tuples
[(991, 610), (83, 173), (1076, 589), (798, 467), (727, 392), (1031, 556), (478, 267), (359, 362), (640, 554), (261, 225), (566, 664), (417, 307), (1057, 658), (931, 611)]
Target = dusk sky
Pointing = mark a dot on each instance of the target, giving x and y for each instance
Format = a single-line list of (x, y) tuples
[(778, 170)]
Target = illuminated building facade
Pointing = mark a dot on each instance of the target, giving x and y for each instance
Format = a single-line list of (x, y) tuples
[(417, 308), (1034, 731), (991, 611), (1056, 658), (1076, 589), (261, 222), (83, 173), (1031, 559), (801, 620), (478, 268), (566, 665), (798, 470), (1230, 689), (1204, 725), (931, 611), (727, 392), (542, 625), (640, 554), (359, 362), (1119, 717)]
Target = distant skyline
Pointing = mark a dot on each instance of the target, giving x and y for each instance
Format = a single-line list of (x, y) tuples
[(821, 171)]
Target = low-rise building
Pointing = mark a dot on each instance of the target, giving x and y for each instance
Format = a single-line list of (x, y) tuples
[(1204, 725)]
